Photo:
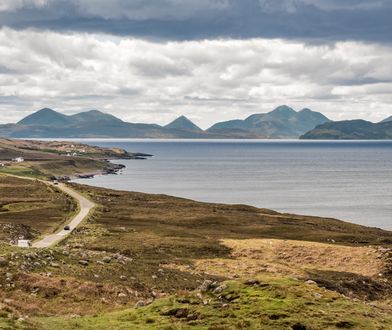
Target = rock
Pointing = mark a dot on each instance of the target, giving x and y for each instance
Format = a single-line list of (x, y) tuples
[(140, 303), (100, 263), (310, 282), (3, 262), (83, 262), (181, 313), (206, 286), (123, 278), (252, 281), (122, 295), (107, 259), (154, 277), (220, 289), (54, 265)]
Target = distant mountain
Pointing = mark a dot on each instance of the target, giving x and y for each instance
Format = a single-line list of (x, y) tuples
[(94, 115), (183, 123), (351, 130), (45, 117), (387, 119), (282, 122)]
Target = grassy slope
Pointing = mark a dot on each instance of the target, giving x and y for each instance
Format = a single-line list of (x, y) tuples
[(33, 205), (275, 303), (165, 247)]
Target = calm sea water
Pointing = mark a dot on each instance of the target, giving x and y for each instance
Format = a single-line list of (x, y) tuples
[(347, 180)]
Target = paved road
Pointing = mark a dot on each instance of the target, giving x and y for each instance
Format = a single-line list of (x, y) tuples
[(85, 207)]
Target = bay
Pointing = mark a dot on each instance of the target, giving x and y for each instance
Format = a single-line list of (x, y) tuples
[(348, 180)]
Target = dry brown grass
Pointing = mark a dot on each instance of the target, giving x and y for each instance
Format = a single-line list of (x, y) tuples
[(252, 257)]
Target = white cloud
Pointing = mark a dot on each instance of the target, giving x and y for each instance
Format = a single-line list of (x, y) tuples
[(208, 80)]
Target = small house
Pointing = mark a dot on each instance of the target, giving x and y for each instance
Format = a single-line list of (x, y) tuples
[(18, 160)]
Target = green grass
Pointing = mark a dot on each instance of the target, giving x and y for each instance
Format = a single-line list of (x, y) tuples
[(279, 303), (21, 171)]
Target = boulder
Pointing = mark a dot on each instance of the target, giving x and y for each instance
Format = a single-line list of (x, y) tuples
[(206, 286), (107, 259)]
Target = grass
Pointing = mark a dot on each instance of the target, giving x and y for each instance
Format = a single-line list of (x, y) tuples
[(161, 250), (21, 171), (276, 303), (31, 208)]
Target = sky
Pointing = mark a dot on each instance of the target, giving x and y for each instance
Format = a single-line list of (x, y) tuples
[(211, 60)]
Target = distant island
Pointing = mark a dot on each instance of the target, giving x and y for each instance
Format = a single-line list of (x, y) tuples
[(281, 123), (352, 130)]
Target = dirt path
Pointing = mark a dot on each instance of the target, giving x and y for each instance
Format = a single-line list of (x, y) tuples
[(85, 206)]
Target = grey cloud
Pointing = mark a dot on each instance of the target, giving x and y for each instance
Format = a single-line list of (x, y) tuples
[(215, 79), (314, 20)]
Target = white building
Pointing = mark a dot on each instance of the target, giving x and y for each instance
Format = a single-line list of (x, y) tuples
[(18, 160), (25, 243)]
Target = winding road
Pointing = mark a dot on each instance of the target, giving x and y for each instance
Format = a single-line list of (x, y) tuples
[(85, 206)]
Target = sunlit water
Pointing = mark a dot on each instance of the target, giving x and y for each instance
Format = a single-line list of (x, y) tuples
[(344, 179)]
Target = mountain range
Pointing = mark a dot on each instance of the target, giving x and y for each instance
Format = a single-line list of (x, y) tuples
[(283, 122)]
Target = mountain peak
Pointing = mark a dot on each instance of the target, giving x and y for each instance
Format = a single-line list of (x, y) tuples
[(283, 110), (183, 123), (387, 120), (45, 116), (94, 115)]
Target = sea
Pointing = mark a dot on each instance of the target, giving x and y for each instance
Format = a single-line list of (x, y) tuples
[(347, 180)]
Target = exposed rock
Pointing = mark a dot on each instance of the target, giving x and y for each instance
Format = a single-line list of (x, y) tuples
[(140, 303), (220, 289), (106, 259), (252, 281), (206, 286), (55, 265), (83, 262), (310, 282)]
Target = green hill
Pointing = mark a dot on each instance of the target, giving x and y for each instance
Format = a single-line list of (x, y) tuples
[(351, 130), (282, 122)]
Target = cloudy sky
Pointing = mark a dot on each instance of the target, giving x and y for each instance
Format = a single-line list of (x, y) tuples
[(152, 60)]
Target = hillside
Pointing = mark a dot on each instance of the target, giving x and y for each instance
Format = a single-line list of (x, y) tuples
[(351, 130), (283, 122), (145, 261)]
